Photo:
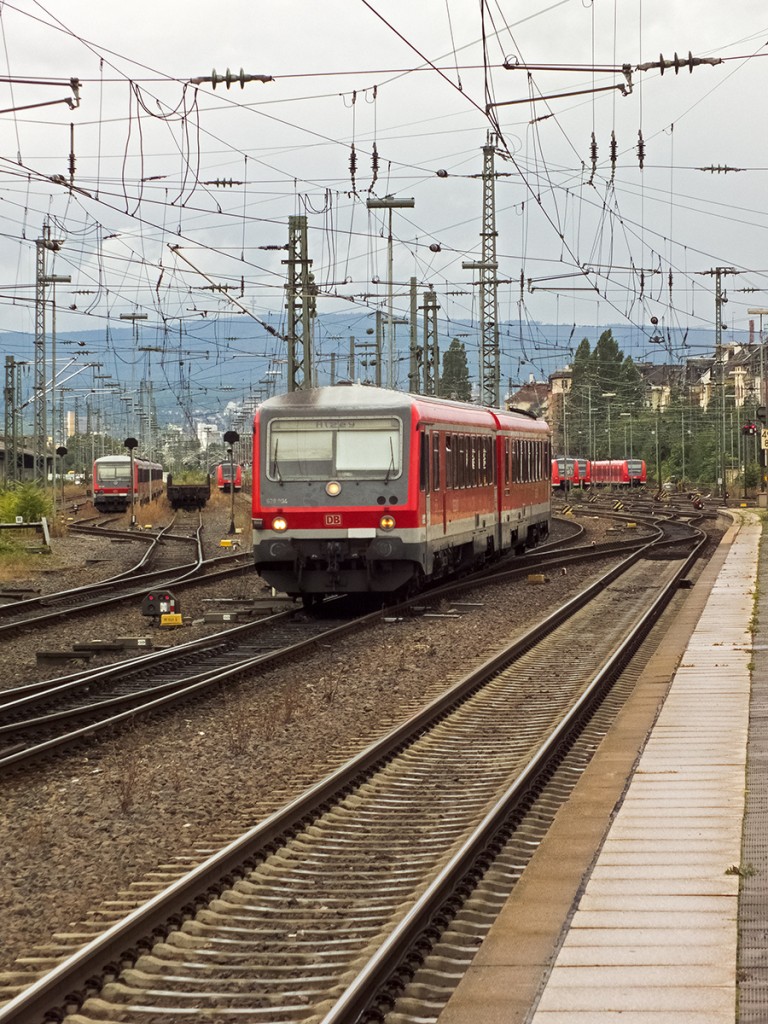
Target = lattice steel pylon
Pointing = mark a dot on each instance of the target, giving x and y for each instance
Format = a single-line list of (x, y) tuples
[(487, 266), (431, 345), (39, 423), (301, 304), (11, 395)]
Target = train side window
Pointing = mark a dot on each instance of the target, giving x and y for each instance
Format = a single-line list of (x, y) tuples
[(423, 461), (505, 468), (448, 462), (436, 461)]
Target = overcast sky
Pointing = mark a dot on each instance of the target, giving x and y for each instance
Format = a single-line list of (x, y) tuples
[(373, 98)]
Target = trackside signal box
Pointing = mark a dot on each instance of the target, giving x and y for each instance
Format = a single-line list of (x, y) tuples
[(160, 602)]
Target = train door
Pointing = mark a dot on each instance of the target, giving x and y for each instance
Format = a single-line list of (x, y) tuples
[(425, 495)]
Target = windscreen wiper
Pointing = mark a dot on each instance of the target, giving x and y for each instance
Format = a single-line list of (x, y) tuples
[(275, 467)]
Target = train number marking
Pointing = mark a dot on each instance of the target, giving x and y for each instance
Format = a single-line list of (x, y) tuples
[(333, 520)]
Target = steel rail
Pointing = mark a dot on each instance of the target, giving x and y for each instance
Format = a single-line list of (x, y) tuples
[(71, 980), (186, 573), (163, 694), (362, 991)]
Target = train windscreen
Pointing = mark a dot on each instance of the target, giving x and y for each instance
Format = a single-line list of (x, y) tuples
[(359, 448), (114, 475)]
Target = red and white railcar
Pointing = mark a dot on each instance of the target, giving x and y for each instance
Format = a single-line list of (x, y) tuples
[(585, 472), (365, 490), (112, 483), (619, 472), (565, 472), (229, 477)]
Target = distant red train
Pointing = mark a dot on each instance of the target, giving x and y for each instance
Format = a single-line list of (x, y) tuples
[(359, 489), (229, 477), (621, 472), (565, 472), (585, 472), (112, 482)]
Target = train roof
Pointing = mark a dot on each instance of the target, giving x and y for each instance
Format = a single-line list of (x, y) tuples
[(124, 458), (350, 398)]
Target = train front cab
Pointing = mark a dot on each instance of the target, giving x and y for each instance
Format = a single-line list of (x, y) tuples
[(112, 483), (334, 500), (229, 477)]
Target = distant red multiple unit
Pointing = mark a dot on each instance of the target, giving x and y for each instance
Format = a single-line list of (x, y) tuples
[(565, 472), (224, 477), (623, 472), (585, 472), (112, 482), (365, 490)]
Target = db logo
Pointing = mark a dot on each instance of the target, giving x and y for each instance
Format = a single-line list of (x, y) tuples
[(333, 520)]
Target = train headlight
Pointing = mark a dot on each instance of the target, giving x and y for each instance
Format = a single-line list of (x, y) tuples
[(387, 523), (332, 488), (279, 524)]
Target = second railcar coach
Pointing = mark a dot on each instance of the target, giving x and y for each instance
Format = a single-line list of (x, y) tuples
[(366, 490)]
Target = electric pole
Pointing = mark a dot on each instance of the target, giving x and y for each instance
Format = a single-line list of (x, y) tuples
[(487, 266), (389, 203), (720, 299), (414, 368), (40, 425), (301, 304), (431, 346)]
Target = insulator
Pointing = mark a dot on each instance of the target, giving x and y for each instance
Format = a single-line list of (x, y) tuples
[(353, 166), (374, 167), (640, 149)]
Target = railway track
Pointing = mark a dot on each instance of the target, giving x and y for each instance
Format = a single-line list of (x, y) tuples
[(319, 912), (42, 718), (166, 571)]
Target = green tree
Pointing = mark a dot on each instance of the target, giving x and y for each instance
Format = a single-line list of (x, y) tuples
[(454, 382)]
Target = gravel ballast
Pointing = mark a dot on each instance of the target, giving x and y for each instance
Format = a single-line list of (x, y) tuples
[(78, 831)]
